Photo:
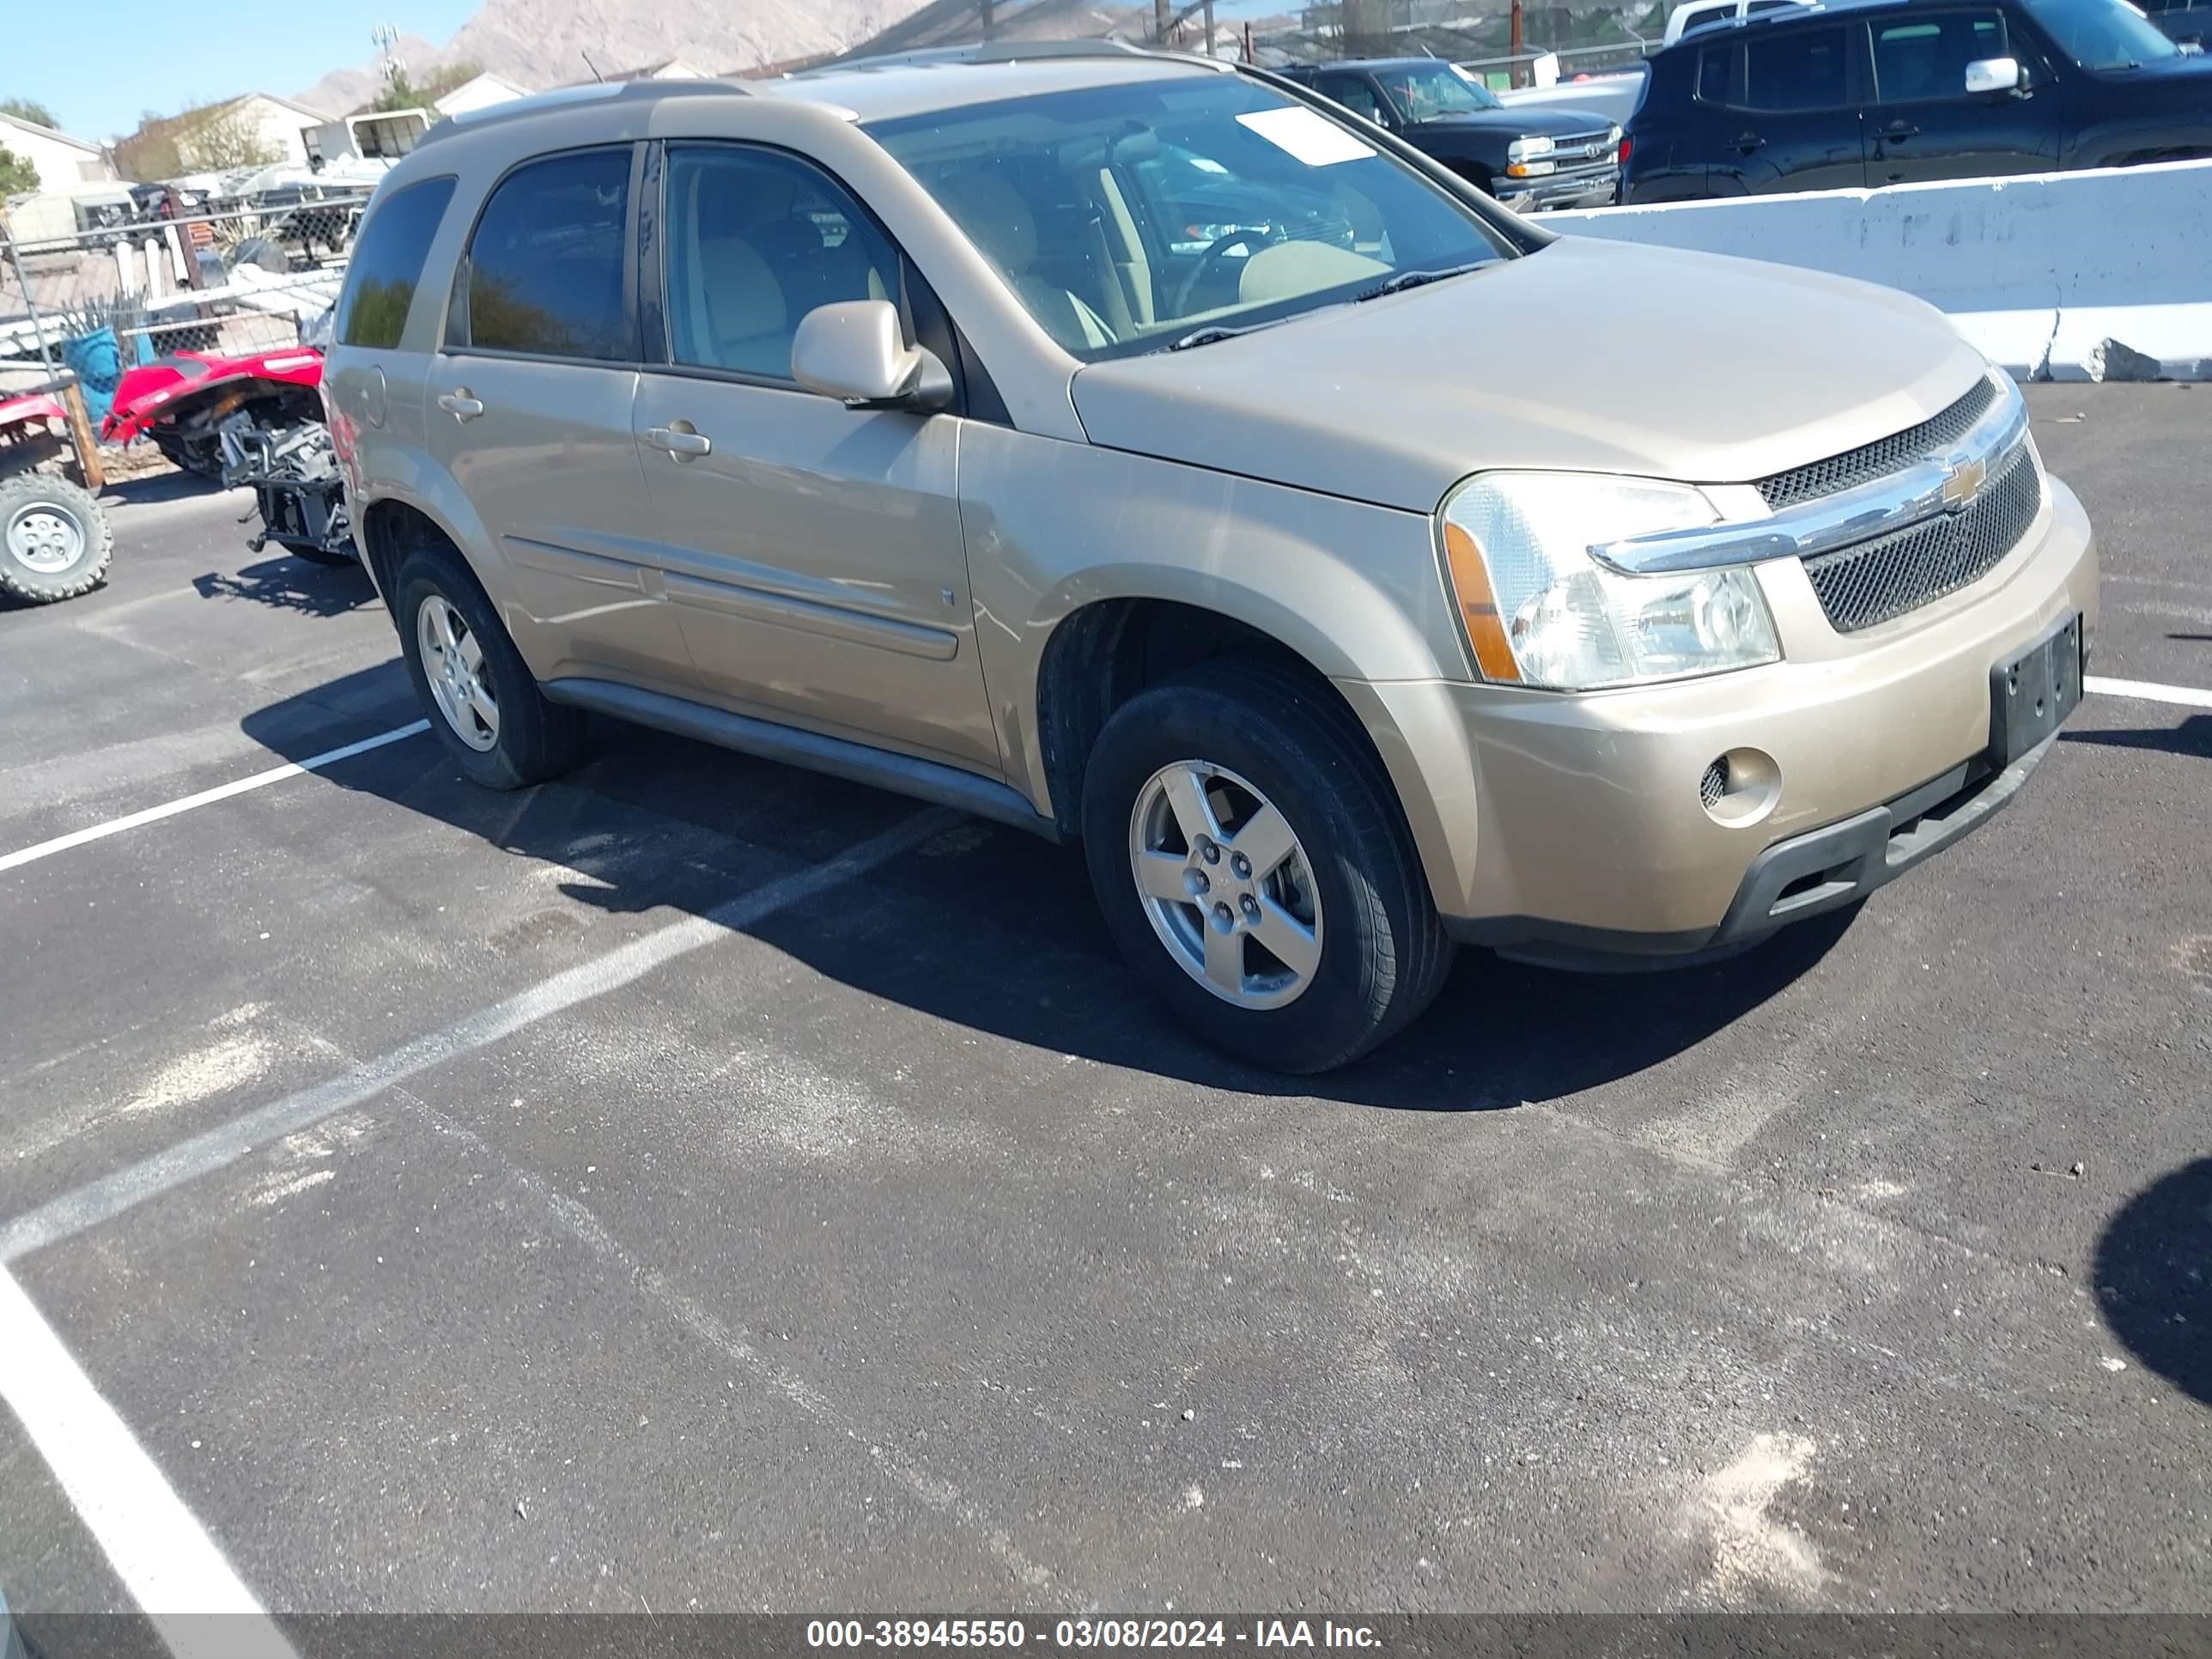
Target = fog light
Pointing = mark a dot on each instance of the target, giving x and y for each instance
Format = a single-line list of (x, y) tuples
[(1740, 787)]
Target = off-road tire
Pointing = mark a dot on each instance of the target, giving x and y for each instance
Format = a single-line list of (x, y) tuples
[(30, 490), (1385, 954), (537, 739)]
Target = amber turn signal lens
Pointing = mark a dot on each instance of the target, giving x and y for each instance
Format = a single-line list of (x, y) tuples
[(1477, 607)]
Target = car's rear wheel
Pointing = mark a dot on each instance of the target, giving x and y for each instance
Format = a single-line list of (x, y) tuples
[(483, 702), (55, 542), (1255, 870)]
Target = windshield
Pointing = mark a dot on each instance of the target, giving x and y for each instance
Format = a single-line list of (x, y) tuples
[(2102, 34), (1422, 92), (1126, 218)]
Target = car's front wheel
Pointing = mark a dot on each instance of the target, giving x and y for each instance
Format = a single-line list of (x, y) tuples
[(483, 702), (1255, 870)]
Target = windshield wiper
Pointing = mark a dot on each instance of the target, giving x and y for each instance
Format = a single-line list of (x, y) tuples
[(1406, 279), (1212, 332)]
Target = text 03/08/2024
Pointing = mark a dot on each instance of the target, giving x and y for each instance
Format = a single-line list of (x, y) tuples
[(1111, 1633)]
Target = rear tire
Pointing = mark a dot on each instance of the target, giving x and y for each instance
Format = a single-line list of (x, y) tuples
[(1362, 952), (480, 696), (55, 542)]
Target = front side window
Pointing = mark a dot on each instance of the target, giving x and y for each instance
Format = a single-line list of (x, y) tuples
[(1310, 213), (1926, 58), (1796, 70), (756, 240), (545, 264), (387, 265), (2102, 34), (1422, 92)]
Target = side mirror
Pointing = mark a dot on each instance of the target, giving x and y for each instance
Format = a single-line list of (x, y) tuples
[(1993, 75), (853, 351)]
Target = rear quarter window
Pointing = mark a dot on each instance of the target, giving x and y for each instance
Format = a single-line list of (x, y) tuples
[(386, 266)]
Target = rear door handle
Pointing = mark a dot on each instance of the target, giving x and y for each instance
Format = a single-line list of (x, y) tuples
[(681, 441), (458, 404), (1749, 142)]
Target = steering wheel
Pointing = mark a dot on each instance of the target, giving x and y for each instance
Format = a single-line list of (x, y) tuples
[(1256, 238)]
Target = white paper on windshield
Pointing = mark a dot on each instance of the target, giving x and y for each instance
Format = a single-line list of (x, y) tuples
[(1299, 132)]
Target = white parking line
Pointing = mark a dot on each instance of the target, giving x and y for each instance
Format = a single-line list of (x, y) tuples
[(2147, 692), (175, 1571), (206, 797), (112, 1195)]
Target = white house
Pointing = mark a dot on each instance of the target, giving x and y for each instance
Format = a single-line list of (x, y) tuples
[(481, 92), (61, 160), (274, 124)]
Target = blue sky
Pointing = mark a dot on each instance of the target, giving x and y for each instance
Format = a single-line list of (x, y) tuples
[(160, 55)]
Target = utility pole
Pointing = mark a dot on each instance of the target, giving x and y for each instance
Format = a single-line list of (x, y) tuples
[(1208, 9), (1162, 19), (1514, 72), (984, 7)]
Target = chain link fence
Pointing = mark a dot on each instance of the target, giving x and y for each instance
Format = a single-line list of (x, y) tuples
[(247, 277)]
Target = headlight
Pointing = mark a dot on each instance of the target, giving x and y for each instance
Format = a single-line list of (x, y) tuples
[(1527, 149), (1540, 611)]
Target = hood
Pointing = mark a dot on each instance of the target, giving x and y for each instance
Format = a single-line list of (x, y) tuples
[(2189, 72), (1520, 120), (1553, 360)]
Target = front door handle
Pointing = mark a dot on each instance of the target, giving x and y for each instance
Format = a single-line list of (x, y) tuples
[(1899, 130), (458, 404), (682, 440), (1749, 142)]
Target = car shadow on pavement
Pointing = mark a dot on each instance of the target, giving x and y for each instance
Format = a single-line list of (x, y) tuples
[(285, 583), (996, 931), (2193, 737), (2154, 1277), (155, 488)]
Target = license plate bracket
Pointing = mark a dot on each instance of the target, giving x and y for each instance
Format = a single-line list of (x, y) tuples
[(2032, 693)]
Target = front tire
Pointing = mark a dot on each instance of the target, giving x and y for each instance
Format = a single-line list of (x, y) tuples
[(1255, 870), (55, 542), (480, 696)]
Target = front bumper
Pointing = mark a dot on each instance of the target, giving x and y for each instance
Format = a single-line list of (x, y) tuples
[(1572, 828), (1589, 190)]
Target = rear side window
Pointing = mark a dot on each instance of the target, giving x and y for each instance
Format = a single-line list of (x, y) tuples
[(387, 265), (546, 264), (1795, 70)]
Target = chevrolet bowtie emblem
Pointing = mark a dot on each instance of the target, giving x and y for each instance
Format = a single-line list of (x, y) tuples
[(1964, 482)]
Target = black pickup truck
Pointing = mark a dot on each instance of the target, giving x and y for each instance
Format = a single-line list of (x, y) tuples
[(1528, 157)]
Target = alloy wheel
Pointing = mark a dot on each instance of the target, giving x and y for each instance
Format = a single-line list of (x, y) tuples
[(453, 663), (1225, 883)]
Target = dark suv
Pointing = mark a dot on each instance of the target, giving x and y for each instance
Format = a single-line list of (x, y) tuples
[(1528, 156), (1887, 92)]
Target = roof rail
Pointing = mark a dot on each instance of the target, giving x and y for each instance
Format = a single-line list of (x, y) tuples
[(588, 91), (1005, 51)]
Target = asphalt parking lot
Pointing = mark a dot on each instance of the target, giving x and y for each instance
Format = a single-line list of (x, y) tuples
[(697, 1184)]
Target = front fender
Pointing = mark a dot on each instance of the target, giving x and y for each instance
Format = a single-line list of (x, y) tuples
[(1354, 590)]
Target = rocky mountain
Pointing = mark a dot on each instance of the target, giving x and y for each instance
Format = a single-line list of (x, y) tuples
[(543, 43)]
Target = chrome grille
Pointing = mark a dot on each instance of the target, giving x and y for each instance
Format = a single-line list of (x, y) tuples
[(1880, 458), (1859, 586)]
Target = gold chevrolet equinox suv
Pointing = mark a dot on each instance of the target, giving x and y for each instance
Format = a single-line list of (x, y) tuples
[(1146, 452)]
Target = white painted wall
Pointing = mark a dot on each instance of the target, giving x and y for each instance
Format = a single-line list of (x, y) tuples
[(279, 125), (62, 161), (2039, 272)]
